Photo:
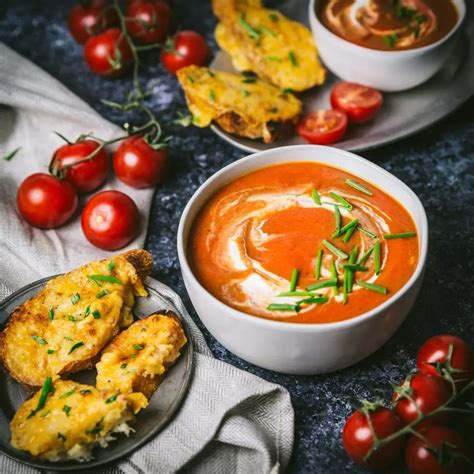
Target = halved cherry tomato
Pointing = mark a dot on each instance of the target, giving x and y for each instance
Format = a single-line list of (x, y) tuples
[(360, 103), (358, 439), (420, 458), (45, 201), (87, 19), (110, 220), (86, 175), (323, 126), (427, 393), (108, 54), (138, 164), (149, 21), (186, 48), (434, 352)]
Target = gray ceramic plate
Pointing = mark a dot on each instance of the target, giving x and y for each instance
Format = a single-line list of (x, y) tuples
[(149, 422), (403, 114)]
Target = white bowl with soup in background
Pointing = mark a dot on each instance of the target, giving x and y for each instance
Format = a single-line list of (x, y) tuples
[(297, 347), (386, 70)]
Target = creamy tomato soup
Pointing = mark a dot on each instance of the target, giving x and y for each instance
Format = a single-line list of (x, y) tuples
[(389, 24), (303, 242)]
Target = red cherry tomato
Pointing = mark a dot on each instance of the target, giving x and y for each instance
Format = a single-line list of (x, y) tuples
[(358, 439), (427, 392), (323, 126), (100, 53), (360, 103), (137, 164), (89, 18), (110, 220), (86, 175), (185, 49), (419, 456), (45, 201), (149, 21), (434, 353)]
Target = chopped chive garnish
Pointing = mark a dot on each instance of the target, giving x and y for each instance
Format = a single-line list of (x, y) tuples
[(123, 366), (274, 58), (315, 196), (75, 346), (45, 413), (252, 32), (87, 311), (86, 391), (10, 155), (212, 95), (366, 255), (334, 276), (67, 394), (344, 286), (268, 31), (402, 235), (354, 267), (367, 232), (66, 409), (343, 201), (349, 233), (287, 90), (39, 340), (377, 256), (370, 286), (245, 93), (350, 275), (138, 347), (337, 216), (334, 249), (294, 279), (420, 18), (96, 314), (112, 398), (283, 307), (75, 298), (313, 300), (71, 318), (111, 266), (51, 313), (102, 293), (68, 338), (359, 187), (107, 278), (45, 391), (345, 228), (249, 80), (273, 17), (298, 293), (322, 284), (50, 351), (317, 267), (292, 57), (390, 40)]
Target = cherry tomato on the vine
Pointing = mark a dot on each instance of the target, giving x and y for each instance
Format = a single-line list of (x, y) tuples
[(323, 126), (360, 103), (84, 175), (149, 21), (45, 201), (427, 393), (108, 54), (420, 458), (89, 18), (110, 220), (184, 49), (358, 439), (433, 354), (138, 164)]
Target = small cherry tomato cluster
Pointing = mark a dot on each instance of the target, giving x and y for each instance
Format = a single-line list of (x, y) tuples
[(113, 38), (110, 219), (350, 102), (421, 417)]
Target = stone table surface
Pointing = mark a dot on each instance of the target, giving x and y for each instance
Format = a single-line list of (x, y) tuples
[(438, 164)]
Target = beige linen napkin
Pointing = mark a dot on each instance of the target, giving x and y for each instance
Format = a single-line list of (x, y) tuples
[(230, 420)]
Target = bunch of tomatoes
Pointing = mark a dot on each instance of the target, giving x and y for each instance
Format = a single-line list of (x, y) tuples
[(423, 411)]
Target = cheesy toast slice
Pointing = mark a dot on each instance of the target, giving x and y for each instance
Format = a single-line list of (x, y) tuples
[(65, 420), (278, 50), (242, 105), (137, 359), (64, 327)]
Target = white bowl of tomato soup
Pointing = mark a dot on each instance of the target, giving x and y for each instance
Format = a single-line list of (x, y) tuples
[(391, 45), (303, 259)]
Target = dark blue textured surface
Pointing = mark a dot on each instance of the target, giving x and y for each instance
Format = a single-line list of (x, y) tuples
[(437, 164)]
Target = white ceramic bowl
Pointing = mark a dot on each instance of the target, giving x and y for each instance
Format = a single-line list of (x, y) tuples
[(384, 70), (294, 348)]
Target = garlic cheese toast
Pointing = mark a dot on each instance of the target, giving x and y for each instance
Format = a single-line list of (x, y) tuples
[(267, 43), (242, 105), (136, 359), (65, 326), (65, 420)]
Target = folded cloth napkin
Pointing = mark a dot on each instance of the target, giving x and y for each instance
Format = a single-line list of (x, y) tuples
[(230, 420)]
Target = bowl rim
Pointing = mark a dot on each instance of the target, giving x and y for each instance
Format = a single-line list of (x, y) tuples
[(378, 52), (422, 233)]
